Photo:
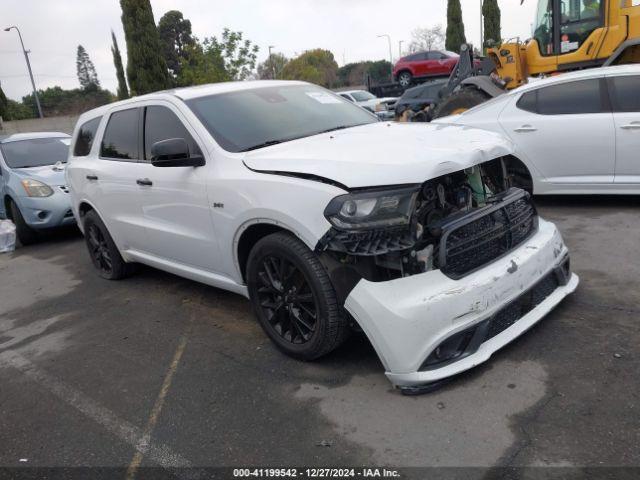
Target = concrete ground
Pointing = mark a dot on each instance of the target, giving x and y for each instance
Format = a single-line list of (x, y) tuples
[(161, 371)]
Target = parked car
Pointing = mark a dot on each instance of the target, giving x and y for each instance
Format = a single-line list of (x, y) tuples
[(324, 217), (420, 97), (435, 63), (32, 185), (384, 108), (576, 133)]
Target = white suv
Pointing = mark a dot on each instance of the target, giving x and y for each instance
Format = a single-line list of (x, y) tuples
[(326, 218)]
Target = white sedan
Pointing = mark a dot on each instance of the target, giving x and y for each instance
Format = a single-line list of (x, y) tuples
[(577, 133), (384, 108)]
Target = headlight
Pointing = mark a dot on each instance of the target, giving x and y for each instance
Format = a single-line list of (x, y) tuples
[(35, 188), (372, 209)]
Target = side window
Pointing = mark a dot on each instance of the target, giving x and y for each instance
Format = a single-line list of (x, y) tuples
[(84, 140), (584, 96), (161, 123), (120, 139), (346, 97), (625, 93), (529, 102)]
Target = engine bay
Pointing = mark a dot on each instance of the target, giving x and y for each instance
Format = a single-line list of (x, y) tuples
[(469, 212)]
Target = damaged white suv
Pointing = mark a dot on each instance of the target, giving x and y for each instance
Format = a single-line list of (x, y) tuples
[(326, 218)]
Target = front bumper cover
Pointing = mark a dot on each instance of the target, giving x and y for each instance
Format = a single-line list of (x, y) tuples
[(408, 318)]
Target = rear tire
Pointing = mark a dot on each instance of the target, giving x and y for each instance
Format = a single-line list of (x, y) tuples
[(26, 235), (460, 101), (293, 298), (102, 249)]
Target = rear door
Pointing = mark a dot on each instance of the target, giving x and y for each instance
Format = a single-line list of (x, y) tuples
[(174, 199), (625, 99), (566, 131), (110, 178)]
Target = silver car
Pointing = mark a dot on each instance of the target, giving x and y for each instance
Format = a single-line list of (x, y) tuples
[(32, 185)]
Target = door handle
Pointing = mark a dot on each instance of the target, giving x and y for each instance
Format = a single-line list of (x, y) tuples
[(631, 126), (144, 181), (525, 128), (92, 177)]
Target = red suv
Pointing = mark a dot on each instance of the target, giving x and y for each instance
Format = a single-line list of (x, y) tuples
[(436, 63)]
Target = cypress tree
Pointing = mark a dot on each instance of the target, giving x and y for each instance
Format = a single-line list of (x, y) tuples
[(123, 91), (146, 67), (87, 75), (491, 13), (4, 105), (455, 27)]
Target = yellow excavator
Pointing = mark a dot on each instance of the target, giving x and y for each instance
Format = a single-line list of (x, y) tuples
[(567, 35)]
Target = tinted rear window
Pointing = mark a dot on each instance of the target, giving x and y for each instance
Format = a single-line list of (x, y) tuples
[(120, 140), (625, 93), (86, 135), (36, 152), (583, 96)]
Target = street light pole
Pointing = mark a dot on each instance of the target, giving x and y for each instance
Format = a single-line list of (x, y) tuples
[(26, 57), (273, 67), (400, 48), (390, 54), (481, 30)]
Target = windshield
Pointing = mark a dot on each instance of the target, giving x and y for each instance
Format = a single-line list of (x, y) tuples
[(249, 119), (543, 29), (35, 152), (362, 96)]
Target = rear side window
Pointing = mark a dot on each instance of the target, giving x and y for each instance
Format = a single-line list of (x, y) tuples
[(120, 139), (625, 93), (160, 123), (584, 96), (529, 102), (86, 134)]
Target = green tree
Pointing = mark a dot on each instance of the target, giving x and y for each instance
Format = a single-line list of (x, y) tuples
[(272, 67), (146, 67), (87, 75), (55, 101), (123, 91), (316, 66), (201, 66), (491, 13), (4, 105), (239, 54), (176, 39), (354, 74), (455, 27), (19, 111)]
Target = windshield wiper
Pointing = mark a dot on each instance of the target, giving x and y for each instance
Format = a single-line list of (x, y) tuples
[(339, 127), (268, 143)]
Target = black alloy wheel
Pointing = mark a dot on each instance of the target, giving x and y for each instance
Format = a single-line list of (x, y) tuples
[(293, 297), (99, 250), (287, 300)]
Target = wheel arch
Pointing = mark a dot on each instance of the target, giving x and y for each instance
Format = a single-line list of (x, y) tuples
[(7, 200), (252, 231), (522, 173)]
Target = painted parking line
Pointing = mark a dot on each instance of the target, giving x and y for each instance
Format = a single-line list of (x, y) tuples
[(125, 431), (142, 447)]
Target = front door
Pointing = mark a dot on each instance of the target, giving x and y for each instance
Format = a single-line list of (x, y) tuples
[(625, 97), (174, 199), (566, 131)]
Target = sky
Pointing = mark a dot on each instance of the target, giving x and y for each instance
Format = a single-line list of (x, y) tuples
[(52, 30)]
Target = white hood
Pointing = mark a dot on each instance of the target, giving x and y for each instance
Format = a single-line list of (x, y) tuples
[(383, 153)]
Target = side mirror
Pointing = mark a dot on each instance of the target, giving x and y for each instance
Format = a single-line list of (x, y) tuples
[(174, 152)]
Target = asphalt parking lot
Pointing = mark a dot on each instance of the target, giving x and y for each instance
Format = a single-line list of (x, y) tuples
[(157, 370)]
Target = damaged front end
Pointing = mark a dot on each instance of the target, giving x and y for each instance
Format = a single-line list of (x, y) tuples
[(456, 223)]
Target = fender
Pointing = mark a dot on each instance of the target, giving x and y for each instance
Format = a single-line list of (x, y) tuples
[(484, 84)]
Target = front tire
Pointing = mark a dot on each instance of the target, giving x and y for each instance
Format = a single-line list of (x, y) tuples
[(405, 78), (293, 298), (26, 234), (460, 101), (102, 249)]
